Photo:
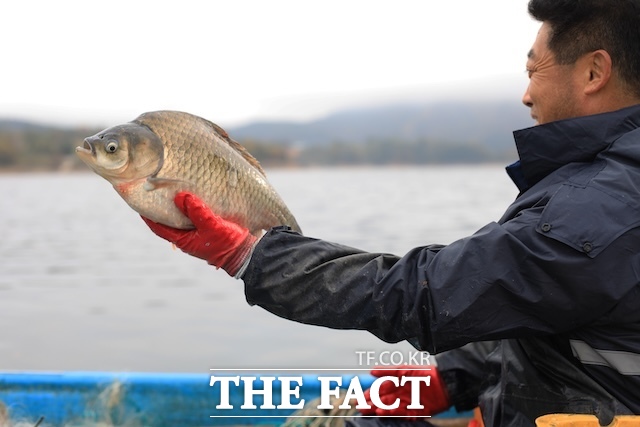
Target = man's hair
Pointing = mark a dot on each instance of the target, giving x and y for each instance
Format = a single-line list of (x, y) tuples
[(582, 26)]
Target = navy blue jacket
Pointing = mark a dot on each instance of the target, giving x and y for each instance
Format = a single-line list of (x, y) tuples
[(554, 284)]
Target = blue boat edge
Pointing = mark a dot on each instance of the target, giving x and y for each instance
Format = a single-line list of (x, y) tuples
[(145, 399)]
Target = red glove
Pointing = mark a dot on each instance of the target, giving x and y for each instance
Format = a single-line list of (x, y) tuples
[(221, 243), (433, 397)]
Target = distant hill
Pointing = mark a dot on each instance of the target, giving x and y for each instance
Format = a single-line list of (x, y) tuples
[(443, 132), (26, 146), (14, 125), (489, 124)]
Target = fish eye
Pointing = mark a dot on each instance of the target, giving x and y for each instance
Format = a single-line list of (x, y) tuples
[(111, 147)]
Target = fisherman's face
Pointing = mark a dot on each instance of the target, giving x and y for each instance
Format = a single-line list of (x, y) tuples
[(552, 93)]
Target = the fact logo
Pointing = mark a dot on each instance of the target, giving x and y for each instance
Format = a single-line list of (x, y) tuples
[(287, 391)]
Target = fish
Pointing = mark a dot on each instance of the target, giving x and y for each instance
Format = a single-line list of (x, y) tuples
[(161, 153)]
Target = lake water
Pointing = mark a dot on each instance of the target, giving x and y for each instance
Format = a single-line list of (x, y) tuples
[(84, 285)]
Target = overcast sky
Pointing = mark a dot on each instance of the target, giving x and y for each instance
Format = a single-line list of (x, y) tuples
[(233, 61)]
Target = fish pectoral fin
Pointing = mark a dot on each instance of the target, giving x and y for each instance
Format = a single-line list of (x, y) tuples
[(155, 183)]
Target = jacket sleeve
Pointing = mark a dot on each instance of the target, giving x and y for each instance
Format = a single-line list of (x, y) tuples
[(322, 283), (504, 281)]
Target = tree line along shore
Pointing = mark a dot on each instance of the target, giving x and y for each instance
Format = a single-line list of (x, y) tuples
[(38, 148)]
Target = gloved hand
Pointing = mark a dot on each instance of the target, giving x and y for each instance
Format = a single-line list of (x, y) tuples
[(221, 243), (434, 397)]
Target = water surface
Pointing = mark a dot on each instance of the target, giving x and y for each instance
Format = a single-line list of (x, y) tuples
[(84, 285)]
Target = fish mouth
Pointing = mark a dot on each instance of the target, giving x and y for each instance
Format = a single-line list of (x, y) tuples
[(86, 150)]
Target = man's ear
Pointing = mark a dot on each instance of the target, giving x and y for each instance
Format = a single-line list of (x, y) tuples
[(597, 70)]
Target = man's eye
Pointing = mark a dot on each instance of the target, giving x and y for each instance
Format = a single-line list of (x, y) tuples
[(529, 72)]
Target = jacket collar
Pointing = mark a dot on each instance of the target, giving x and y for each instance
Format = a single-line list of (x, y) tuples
[(544, 148)]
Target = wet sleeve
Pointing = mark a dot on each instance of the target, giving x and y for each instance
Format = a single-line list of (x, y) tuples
[(504, 281), (322, 283)]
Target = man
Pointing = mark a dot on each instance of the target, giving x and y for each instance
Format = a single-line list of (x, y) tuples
[(538, 313)]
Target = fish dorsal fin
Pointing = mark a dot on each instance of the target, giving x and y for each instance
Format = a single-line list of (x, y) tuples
[(236, 146)]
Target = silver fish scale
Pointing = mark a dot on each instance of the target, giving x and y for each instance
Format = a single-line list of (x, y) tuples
[(202, 158)]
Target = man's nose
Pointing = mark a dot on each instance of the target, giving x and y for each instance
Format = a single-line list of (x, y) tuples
[(526, 98)]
